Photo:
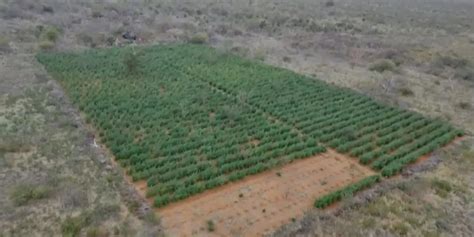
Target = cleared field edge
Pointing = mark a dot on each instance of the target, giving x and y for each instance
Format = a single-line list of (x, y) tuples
[(262, 202), (272, 171), (171, 209)]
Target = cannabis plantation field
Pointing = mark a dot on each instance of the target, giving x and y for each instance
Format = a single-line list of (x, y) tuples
[(188, 118)]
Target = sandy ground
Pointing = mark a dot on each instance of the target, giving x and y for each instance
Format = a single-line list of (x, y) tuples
[(259, 204)]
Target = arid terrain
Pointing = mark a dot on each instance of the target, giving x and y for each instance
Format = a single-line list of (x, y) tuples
[(415, 54)]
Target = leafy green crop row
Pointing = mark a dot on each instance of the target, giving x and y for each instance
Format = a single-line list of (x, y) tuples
[(347, 191), (188, 118), (177, 133), (339, 118)]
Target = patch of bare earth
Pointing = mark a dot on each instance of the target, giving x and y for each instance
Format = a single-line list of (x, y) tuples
[(259, 204)]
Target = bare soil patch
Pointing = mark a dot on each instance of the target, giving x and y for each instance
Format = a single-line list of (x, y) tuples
[(259, 204)]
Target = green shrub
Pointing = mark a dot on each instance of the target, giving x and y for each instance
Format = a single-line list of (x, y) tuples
[(393, 55), (86, 39), (73, 225), (151, 217), (4, 45), (14, 144), (461, 67), (405, 91), (46, 45), (401, 229), (464, 105), (24, 193), (199, 38), (100, 211), (210, 226), (48, 9), (383, 65), (97, 13), (452, 61), (49, 33), (465, 73), (329, 3), (368, 222), (286, 59), (259, 54), (96, 232), (441, 187), (131, 61)]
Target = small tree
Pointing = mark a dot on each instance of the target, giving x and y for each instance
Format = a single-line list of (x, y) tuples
[(210, 226), (199, 38), (131, 61), (329, 3), (382, 66)]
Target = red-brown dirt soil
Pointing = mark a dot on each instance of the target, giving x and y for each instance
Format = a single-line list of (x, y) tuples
[(261, 203)]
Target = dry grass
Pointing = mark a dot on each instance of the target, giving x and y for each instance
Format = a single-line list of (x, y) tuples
[(55, 182), (24, 193), (4, 45), (199, 38), (383, 65)]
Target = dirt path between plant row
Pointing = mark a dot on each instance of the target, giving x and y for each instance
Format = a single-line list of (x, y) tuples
[(261, 203)]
